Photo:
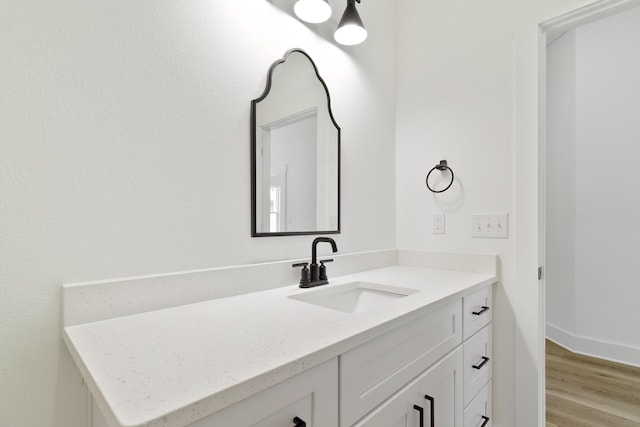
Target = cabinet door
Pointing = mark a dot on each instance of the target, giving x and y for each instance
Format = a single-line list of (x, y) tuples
[(377, 369), (310, 396), (434, 397)]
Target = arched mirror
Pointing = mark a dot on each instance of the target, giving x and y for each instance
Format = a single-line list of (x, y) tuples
[(295, 152)]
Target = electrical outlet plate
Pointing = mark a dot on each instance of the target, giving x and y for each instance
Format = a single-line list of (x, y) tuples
[(438, 223), (490, 226)]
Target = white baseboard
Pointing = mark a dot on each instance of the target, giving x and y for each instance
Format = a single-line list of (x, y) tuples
[(593, 347), (561, 337)]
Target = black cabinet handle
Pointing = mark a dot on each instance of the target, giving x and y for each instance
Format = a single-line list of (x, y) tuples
[(478, 313), (421, 411), (432, 401), (299, 423), (481, 364), (486, 421)]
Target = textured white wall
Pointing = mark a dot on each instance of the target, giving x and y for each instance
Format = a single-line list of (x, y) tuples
[(560, 158), (454, 103), (124, 129), (124, 150), (468, 91)]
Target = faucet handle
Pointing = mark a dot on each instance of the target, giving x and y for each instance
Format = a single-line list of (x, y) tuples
[(300, 264), (323, 269), (305, 275)]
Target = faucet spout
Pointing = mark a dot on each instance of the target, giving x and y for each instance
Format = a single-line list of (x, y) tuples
[(314, 269), (317, 240)]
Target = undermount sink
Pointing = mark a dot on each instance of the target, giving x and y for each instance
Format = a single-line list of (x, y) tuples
[(354, 297)]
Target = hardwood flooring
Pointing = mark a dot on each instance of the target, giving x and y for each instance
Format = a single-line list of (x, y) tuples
[(586, 392)]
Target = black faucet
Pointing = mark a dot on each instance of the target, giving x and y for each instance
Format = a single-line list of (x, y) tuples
[(318, 274)]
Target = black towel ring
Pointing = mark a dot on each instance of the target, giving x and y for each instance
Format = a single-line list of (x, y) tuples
[(442, 166)]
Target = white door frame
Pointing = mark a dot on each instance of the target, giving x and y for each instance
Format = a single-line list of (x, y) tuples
[(548, 32)]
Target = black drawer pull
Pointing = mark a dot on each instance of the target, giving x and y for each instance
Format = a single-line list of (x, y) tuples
[(421, 411), (478, 313), (481, 364), (299, 423), (432, 401), (486, 421)]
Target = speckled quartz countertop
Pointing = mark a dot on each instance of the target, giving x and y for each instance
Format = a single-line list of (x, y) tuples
[(174, 366)]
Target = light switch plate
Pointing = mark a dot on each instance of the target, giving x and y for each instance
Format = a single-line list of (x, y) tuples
[(438, 223), (490, 226)]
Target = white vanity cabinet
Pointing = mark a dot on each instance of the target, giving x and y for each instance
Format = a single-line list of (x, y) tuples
[(425, 372), (478, 365), (434, 370), (306, 400), (426, 361)]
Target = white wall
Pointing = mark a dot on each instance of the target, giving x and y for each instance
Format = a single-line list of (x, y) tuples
[(124, 150), (124, 128), (607, 175), (560, 188), (468, 91), (600, 270), (454, 103)]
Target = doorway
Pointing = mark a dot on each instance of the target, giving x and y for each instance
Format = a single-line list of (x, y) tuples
[(588, 145)]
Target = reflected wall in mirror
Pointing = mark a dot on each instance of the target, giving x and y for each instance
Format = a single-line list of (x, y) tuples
[(295, 152)]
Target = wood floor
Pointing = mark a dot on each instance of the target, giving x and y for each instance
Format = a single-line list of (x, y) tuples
[(587, 392)]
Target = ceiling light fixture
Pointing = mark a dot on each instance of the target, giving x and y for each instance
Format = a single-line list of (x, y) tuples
[(313, 11), (350, 30)]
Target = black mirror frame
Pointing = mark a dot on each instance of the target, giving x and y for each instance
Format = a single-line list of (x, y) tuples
[(254, 231)]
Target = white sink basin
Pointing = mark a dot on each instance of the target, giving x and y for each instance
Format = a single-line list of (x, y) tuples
[(354, 297)]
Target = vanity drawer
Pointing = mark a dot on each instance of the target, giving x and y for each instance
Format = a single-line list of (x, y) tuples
[(477, 310), (477, 363), (479, 411), (310, 396), (372, 372)]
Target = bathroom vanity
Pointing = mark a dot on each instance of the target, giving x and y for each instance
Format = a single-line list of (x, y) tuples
[(394, 346)]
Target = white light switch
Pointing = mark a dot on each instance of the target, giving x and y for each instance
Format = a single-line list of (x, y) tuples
[(490, 226), (438, 223)]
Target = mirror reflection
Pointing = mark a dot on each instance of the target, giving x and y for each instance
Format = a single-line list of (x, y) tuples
[(295, 144)]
